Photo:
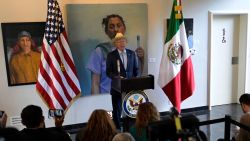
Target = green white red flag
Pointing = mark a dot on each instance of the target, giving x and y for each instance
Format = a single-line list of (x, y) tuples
[(176, 77)]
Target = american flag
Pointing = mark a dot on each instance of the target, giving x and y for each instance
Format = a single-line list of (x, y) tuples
[(57, 80)]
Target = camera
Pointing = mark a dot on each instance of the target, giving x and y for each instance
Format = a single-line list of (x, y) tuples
[(1, 114), (56, 112)]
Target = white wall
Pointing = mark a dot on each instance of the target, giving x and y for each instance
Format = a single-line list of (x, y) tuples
[(13, 99)]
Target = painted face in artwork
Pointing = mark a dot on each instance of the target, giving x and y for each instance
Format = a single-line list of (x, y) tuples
[(25, 44), (115, 25)]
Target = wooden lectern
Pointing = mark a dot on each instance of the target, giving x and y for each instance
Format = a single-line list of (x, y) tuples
[(126, 86)]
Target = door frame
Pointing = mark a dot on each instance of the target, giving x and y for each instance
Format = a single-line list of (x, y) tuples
[(244, 51)]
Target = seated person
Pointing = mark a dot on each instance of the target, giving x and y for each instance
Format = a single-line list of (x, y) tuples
[(123, 137), (244, 135), (175, 127), (100, 127), (146, 113), (33, 119), (7, 133)]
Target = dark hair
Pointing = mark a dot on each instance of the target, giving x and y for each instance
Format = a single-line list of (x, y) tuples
[(245, 99), (9, 134), (32, 116), (100, 127), (147, 113), (105, 21)]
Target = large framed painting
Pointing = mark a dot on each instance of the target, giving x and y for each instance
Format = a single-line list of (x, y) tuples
[(90, 39), (189, 32), (22, 47)]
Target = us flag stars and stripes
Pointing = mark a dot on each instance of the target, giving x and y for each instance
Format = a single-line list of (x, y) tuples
[(57, 79), (54, 24)]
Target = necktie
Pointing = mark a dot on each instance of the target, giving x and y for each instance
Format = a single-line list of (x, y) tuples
[(123, 59)]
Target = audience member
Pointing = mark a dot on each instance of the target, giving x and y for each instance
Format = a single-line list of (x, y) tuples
[(33, 119), (7, 133), (244, 135), (123, 137), (100, 127), (146, 113)]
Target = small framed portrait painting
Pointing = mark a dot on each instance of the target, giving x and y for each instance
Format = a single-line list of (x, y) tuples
[(22, 49)]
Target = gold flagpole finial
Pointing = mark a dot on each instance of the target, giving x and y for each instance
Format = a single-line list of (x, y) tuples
[(178, 10)]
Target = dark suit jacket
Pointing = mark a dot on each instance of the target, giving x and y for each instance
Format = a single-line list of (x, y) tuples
[(44, 134), (111, 65), (9, 134)]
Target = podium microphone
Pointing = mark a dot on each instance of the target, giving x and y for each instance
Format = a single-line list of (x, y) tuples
[(118, 67)]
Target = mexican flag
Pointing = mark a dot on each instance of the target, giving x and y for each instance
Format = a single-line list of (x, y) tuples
[(176, 77)]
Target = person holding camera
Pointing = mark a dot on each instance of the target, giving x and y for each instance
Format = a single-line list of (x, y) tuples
[(32, 117)]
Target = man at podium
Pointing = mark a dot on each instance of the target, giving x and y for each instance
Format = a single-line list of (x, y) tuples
[(121, 63)]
